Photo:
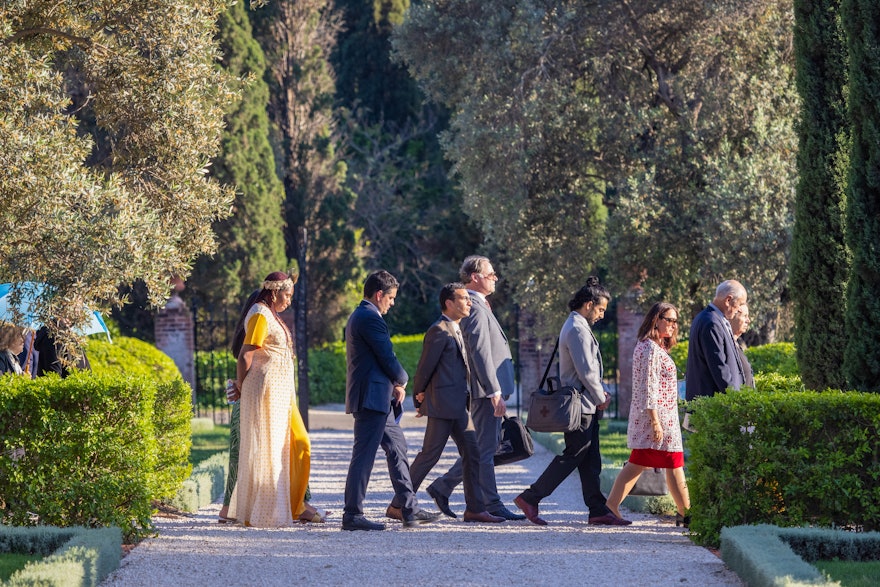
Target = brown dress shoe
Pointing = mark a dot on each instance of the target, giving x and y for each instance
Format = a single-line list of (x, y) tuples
[(609, 519), (531, 511), (481, 517), (394, 513)]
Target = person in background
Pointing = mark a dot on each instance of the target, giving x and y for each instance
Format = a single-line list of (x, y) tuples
[(275, 453), (580, 366), (52, 357), (739, 324), (713, 364), (653, 433), (11, 345)]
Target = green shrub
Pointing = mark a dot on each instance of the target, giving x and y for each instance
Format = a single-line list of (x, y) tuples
[(97, 449), (679, 354), (789, 459), (327, 367), (74, 556), (774, 382), (130, 356), (778, 357)]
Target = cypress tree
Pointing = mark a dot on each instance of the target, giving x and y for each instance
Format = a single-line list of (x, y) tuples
[(251, 241), (861, 20), (819, 257)]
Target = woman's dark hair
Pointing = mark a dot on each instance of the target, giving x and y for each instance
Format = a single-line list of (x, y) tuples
[(238, 333), (649, 328), (592, 291)]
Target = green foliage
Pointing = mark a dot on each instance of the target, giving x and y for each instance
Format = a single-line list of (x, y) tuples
[(80, 557), (204, 485), (779, 358), (298, 37), (849, 573), (110, 112), (818, 251), (760, 557), (251, 241), (672, 116), (679, 354), (774, 382), (91, 449), (862, 358), (789, 459), (9, 563), (131, 356), (328, 368)]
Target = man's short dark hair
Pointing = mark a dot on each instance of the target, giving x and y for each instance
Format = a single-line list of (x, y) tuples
[(379, 281), (448, 293)]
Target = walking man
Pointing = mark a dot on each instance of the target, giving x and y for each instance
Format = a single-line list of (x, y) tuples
[(375, 387), (491, 383), (441, 392)]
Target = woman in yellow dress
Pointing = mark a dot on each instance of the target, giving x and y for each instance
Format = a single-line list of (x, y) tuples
[(274, 454)]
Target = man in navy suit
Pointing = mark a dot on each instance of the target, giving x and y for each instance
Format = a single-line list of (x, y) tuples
[(375, 383), (713, 363), (492, 382), (442, 393)]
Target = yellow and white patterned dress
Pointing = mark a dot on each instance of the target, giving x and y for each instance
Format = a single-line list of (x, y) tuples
[(274, 455)]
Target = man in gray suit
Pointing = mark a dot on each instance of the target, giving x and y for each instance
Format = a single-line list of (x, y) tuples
[(441, 392), (491, 383)]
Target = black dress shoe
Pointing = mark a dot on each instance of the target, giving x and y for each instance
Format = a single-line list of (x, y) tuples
[(420, 517), (505, 513), (441, 500), (360, 523), (482, 517)]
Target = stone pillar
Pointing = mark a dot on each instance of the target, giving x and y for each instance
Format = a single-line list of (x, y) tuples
[(629, 318), (532, 357), (174, 337)]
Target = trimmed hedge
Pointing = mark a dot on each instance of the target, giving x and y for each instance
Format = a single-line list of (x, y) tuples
[(75, 556), (767, 555), (790, 459), (92, 450), (204, 485), (131, 356), (327, 367)]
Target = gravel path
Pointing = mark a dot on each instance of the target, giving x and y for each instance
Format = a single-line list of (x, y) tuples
[(197, 551)]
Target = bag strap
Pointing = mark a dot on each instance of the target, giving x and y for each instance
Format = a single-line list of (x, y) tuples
[(549, 363)]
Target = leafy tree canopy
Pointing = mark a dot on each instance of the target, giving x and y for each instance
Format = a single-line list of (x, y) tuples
[(85, 211)]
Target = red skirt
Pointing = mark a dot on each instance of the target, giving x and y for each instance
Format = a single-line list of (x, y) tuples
[(658, 459)]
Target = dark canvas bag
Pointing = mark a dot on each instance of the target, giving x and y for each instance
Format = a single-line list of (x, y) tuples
[(555, 408), (650, 482)]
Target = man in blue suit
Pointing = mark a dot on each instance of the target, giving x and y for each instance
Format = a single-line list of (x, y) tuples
[(713, 363), (375, 387)]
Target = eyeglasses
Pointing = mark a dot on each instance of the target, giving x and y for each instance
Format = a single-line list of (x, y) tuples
[(492, 275), (462, 298), (670, 320)]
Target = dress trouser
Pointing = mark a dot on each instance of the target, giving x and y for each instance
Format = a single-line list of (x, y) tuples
[(437, 432), (373, 429), (581, 453), (488, 431)]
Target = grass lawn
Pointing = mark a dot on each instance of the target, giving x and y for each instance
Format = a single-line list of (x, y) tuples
[(851, 574), (612, 442), (11, 562), (208, 442)]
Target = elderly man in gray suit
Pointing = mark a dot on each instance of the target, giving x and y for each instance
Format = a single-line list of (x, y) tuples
[(492, 382)]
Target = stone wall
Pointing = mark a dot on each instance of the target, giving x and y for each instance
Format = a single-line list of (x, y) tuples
[(174, 337)]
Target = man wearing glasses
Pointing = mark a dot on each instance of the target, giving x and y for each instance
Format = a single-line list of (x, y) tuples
[(492, 382)]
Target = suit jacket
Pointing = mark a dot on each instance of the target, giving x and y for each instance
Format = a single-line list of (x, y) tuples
[(373, 368), (712, 363), (442, 373), (488, 351), (580, 362)]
